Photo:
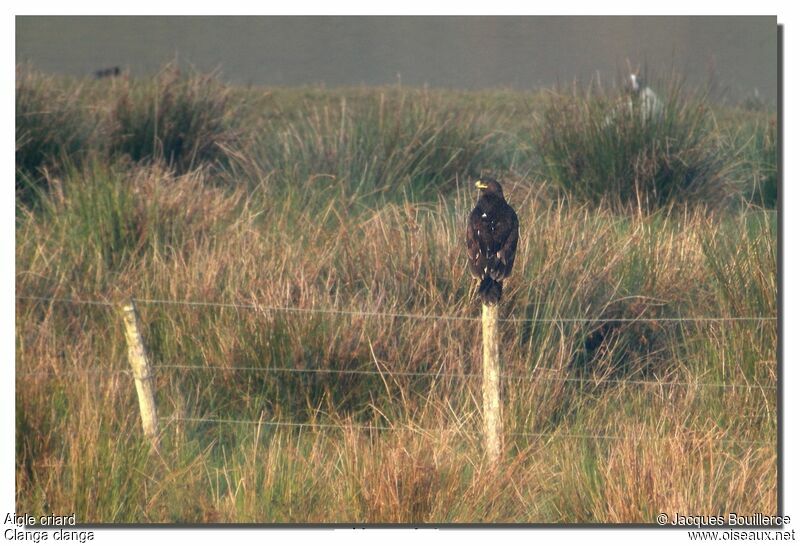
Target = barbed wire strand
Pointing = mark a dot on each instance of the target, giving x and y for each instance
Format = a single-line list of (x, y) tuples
[(418, 316), (424, 431)]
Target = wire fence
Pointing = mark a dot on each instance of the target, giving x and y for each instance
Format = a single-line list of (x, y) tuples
[(601, 381), (538, 374), (388, 314), (437, 431), (390, 373), (84, 371), (530, 377)]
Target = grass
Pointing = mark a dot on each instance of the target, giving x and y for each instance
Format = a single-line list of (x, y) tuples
[(182, 120), (356, 199), (51, 126), (601, 147), (757, 142)]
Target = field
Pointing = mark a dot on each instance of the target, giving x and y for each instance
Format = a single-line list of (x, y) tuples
[(334, 220)]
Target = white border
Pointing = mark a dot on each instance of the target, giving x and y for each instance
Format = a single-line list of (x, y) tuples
[(787, 15)]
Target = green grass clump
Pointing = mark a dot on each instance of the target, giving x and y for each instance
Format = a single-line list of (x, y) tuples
[(756, 142), (386, 144), (102, 218), (613, 149), (51, 126), (766, 192), (183, 120)]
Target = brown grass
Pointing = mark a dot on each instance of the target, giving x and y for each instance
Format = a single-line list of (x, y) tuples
[(607, 421)]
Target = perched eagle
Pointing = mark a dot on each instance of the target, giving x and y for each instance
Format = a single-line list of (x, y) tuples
[(492, 233)]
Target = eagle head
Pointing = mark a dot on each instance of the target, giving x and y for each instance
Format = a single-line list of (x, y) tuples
[(489, 185)]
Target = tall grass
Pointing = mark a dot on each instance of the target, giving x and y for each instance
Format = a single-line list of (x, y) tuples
[(385, 143), (322, 207), (611, 148), (183, 120), (52, 125), (396, 142), (755, 141)]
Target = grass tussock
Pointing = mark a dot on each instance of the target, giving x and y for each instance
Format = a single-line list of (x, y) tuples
[(634, 152), (184, 120), (52, 125), (385, 143), (756, 142), (354, 201)]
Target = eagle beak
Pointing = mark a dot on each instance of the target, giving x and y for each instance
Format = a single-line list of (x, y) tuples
[(480, 185)]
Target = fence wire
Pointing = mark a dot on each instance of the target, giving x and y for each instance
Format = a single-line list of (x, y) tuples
[(88, 371), (456, 430), (584, 381), (418, 316), (255, 306), (388, 373), (369, 313)]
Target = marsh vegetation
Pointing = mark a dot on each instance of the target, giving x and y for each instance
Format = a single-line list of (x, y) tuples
[(180, 188)]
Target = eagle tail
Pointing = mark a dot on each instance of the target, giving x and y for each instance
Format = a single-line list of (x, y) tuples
[(489, 291)]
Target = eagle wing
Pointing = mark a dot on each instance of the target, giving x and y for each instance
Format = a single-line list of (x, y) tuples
[(508, 227), (477, 258)]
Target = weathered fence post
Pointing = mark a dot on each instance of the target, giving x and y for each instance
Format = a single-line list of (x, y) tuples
[(492, 420), (142, 375)]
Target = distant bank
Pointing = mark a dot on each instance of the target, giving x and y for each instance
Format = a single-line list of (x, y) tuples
[(456, 52)]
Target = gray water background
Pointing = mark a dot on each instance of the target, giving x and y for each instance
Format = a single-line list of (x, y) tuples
[(739, 53)]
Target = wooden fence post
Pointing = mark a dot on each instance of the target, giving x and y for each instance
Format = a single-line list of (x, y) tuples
[(492, 421), (142, 374)]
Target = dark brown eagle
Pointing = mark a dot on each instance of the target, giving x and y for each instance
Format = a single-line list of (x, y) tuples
[(492, 233)]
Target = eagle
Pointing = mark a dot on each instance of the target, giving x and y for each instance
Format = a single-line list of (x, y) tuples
[(492, 233)]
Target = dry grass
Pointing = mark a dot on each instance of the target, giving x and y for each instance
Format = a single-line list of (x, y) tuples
[(597, 429)]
